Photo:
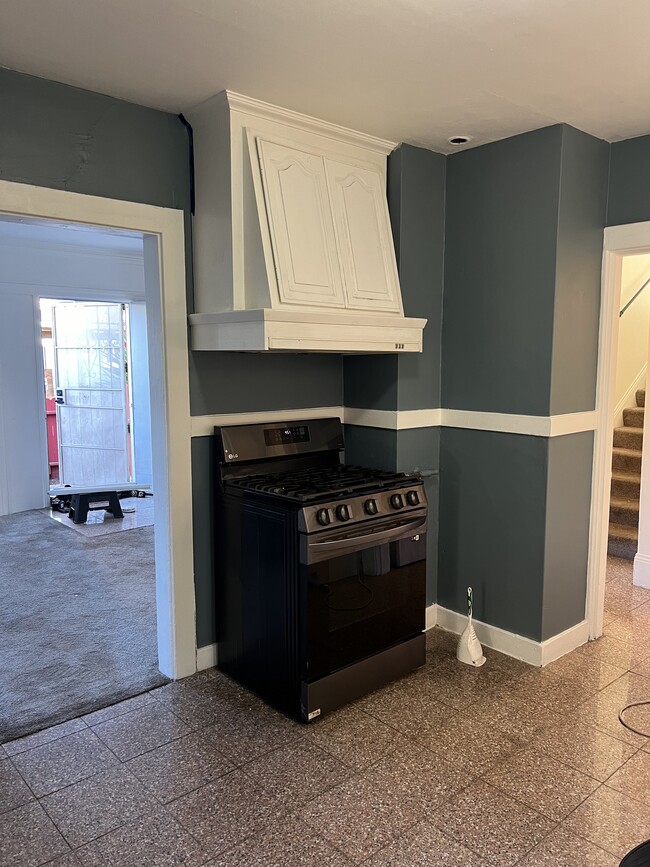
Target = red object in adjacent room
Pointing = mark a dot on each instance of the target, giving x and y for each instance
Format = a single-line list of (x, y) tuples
[(52, 438)]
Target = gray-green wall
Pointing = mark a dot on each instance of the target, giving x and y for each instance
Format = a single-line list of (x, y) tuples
[(629, 181), (524, 231)]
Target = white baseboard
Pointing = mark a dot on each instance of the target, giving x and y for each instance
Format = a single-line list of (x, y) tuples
[(206, 657), (431, 616), (538, 653), (641, 574)]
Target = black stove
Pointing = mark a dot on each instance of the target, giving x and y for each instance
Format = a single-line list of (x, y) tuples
[(320, 566)]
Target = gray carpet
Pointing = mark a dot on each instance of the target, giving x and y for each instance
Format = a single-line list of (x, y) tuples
[(77, 623)]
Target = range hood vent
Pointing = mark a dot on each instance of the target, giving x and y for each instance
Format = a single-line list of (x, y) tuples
[(293, 246)]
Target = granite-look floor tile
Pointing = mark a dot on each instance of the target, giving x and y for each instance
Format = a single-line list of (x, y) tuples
[(622, 597), (563, 849), (180, 767), (494, 826), (69, 860), (28, 837), (287, 843), (595, 672), (633, 778), (93, 807), (631, 630), (642, 668), (226, 811), (612, 821), (548, 786), (418, 777), (425, 846), (45, 736), (457, 685), (548, 691), (466, 741), (585, 748), (252, 732), (602, 710), (141, 730), (622, 655), (410, 707), (200, 701), (358, 817), (62, 762), (298, 772), (14, 792), (122, 707), (354, 737), (512, 715), (151, 841)]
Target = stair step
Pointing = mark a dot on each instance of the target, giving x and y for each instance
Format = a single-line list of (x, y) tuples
[(628, 437), (640, 397), (628, 460), (622, 541), (624, 512), (633, 416), (626, 486)]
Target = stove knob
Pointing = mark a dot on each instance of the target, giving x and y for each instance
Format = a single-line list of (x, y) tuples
[(370, 507), (323, 517), (412, 498), (343, 513), (397, 501)]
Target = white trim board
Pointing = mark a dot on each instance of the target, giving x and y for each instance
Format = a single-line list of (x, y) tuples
[(641, 570), (410, 419), (537, 653), (206, 657)]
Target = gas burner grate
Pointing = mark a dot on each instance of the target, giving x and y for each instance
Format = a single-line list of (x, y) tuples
[(316, 483)]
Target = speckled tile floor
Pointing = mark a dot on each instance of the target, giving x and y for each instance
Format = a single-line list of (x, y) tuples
[(500, 766)]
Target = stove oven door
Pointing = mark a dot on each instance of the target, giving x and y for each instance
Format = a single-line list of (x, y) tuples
[(363, 591)]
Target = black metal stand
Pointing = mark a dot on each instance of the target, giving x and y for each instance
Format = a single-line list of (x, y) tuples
[(81, 504)]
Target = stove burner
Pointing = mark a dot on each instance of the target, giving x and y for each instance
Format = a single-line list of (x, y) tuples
[(317, 483)]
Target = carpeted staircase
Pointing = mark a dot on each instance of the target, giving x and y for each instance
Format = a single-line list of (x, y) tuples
[(626, 482)]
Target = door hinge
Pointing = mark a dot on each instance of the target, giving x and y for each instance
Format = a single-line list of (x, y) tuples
[(128, 427)]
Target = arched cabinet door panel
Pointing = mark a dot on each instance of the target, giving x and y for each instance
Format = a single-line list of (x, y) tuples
[(363, 236), (300, 223)]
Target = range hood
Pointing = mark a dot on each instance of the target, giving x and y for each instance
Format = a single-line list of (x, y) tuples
[(292, 242)]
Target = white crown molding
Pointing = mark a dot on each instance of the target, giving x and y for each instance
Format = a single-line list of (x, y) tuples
[(268, 111), (411, 419)]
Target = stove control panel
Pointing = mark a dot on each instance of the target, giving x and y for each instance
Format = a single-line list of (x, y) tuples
[(364, 508)]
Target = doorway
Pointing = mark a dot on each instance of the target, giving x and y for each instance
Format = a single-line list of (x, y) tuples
[(162, 233), (620, 243)]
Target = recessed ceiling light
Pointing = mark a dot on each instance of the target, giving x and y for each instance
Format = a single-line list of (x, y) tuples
[(458, 140)]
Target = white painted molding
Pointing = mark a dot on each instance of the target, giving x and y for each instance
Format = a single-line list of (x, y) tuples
[(641, 574), (206, 657), (506, 642), (305, 122), (629, 398), (163, 232), (203, 425), (564, 642), (431, 616), (410, 419)]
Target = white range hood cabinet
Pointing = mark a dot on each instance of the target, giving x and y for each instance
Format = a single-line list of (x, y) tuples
[(292, 243)]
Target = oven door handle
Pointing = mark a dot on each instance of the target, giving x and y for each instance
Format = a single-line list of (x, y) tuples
[(317, 551)]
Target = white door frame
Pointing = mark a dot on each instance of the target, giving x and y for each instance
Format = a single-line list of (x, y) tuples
[(618, 242), (164, 253)]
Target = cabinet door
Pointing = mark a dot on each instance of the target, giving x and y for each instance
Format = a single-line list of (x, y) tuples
[(300, 222), (364, 237)]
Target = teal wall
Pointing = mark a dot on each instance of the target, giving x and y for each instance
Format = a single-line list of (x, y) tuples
[(629, 181)]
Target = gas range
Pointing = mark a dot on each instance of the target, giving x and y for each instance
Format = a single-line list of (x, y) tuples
[(320, 567), (337, 494)]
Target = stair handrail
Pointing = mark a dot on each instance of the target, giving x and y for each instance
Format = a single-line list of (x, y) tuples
[(634, 297)]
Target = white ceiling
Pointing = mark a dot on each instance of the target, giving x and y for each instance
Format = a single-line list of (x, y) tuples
[(408, 70)]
